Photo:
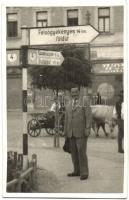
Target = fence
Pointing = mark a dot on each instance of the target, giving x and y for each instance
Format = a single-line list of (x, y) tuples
[(22, 180)]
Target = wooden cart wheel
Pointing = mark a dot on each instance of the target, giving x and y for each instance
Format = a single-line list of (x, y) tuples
[(50, 131), (34, 128), (61, 130)]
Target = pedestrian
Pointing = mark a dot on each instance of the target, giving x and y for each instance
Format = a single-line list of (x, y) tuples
[(78, 120), (98, 98), (118, 113)]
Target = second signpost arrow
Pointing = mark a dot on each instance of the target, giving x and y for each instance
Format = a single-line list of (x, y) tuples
[(42, 57)]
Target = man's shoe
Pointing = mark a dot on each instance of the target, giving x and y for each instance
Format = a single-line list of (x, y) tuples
[(121, 151), (83, 177), (73, 174)]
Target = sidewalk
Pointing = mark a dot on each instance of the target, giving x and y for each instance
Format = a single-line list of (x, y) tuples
[(105, 166)]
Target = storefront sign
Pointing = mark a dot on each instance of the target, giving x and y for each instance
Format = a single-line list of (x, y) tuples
[(108, 68), (41, 57), (13, 57), (62, 35)]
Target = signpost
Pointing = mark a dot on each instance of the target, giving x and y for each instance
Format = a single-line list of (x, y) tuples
[(49, 58), (24, 50), (46, 36), (41, 57), (62, 35)]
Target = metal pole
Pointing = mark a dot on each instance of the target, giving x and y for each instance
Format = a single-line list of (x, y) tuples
[(24, 51)]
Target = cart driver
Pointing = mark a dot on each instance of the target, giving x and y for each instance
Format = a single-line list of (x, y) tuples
[(53, 107)]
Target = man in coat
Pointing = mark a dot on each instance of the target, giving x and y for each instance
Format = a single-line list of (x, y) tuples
[(118, 113), (78, 120)]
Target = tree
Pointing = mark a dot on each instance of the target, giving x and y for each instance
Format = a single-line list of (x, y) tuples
[(75, 71)]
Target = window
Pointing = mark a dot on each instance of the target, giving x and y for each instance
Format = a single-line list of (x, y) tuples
[(104, 19), (12, 25), (42, 19), (72, 17)]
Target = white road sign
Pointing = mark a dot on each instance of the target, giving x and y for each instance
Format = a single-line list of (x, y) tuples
[(42, 57), (62, 35)]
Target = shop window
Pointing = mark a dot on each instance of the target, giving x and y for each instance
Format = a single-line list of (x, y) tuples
[(104, 19), (72, 17), (42, 19), (12, 25)]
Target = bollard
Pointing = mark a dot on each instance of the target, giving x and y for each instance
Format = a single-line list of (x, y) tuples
[(20, 161), (34, 162), (15, 159), (34, 165), (18, 185)]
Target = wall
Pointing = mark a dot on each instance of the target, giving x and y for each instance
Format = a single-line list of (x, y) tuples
[(118, 18), (57, 16), (14, 93)]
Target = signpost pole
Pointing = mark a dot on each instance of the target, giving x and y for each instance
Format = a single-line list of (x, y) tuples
[(24, 51), (56, 136)]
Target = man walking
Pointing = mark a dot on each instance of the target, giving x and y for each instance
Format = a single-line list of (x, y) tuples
[(78, 120), (119, 114)]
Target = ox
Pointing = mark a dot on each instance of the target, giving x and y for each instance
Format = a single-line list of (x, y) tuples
[(101, 115)]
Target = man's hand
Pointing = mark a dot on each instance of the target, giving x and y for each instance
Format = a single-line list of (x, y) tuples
[(87, 132)]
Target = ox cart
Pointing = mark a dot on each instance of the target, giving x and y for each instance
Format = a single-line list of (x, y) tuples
[(103, 115)]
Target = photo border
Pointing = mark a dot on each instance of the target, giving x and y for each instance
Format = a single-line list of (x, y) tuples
[(59, 3)]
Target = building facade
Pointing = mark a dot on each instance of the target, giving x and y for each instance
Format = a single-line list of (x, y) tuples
[(106, 51)]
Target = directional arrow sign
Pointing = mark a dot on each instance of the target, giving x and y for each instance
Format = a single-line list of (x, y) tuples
[(42, 57), (62, 35)]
